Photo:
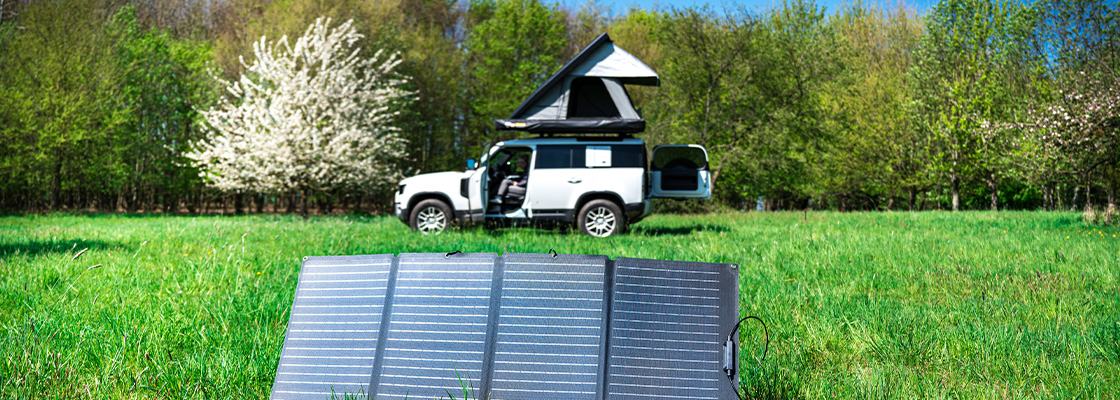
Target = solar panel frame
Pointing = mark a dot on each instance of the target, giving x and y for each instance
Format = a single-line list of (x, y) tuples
[(424, 326), (567, 321)]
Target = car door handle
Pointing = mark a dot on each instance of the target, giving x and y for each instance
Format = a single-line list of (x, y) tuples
[(574, 180)]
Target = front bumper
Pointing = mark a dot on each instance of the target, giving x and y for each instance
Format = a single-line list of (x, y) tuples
[(399, 208)]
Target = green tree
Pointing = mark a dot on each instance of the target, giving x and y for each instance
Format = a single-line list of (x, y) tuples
[(875, 149), (164, 83), (58, 81), (512, 49), (968, 68)]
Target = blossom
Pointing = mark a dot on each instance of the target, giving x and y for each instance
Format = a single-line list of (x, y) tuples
[(316, 115)]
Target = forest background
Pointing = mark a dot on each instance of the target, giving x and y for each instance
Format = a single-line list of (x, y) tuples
[(972, 104)]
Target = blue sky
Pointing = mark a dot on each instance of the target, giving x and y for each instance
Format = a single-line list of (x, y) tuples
[(619, 7)]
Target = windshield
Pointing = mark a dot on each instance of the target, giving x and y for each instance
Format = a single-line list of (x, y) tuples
[(485, 158)]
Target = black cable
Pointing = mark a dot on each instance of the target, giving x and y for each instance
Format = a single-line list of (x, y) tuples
[(448, 255), (553, 252), (732, 339)]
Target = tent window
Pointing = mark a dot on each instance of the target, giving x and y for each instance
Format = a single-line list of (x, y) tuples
[(589, 98)]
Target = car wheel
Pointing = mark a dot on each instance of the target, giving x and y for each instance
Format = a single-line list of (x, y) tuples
[(601, 218), (430, 217)]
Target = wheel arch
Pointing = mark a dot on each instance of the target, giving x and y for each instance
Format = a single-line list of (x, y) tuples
[(605, 195), (419, 197)]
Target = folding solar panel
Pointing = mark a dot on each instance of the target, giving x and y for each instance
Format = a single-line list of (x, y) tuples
[(437, 327), (518, 326)]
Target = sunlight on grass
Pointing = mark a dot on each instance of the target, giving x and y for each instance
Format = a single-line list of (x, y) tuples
[(890, 305)]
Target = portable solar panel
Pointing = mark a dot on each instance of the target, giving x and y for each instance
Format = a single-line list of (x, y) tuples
[(518, 326)]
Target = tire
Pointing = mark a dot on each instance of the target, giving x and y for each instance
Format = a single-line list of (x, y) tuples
[(431, 217), (601, 218)]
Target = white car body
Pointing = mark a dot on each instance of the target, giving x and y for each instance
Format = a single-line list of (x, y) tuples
[(611, 169)]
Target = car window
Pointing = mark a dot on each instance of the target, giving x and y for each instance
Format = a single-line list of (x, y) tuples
[(679, 157), (561, 156), (628, 156)]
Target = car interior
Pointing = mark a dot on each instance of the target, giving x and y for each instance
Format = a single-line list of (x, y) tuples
[(503, 165)]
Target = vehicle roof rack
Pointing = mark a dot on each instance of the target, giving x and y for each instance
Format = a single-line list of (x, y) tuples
[(587, 136)]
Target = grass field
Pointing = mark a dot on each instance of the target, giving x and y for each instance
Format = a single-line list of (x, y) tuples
[(880, 305)]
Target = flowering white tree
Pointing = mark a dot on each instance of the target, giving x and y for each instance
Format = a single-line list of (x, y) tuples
[(307, 118), (1077, 134)]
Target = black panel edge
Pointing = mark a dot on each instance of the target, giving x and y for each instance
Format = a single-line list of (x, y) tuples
[(574, 125), (485, 381), (382, 330), (605, 343), (729, 315)]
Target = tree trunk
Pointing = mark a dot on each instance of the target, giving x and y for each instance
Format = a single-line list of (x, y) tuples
[(56, 181), (910, 199), (994, 187), (1045, 197), (303, 204), (1073, 203), (1088, 197), (1057, 197), (260, 203), (1112, 196), (238, 203), (955, 186)]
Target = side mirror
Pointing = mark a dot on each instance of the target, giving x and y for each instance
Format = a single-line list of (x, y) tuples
[(470, 163)]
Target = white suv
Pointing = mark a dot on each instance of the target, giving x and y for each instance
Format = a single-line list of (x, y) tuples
[(602, 184)]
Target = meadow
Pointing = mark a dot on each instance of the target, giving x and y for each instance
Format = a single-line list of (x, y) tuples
[(975, 305)]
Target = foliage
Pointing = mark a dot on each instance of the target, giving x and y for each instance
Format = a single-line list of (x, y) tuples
[(313, 116), (969, 63), (976, 305), (96, 110), (513, 47), (863, 107)]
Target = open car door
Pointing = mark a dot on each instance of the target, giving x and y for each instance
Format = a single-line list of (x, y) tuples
[(680, 172)]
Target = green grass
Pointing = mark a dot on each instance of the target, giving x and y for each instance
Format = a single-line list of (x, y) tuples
[(881, 305)]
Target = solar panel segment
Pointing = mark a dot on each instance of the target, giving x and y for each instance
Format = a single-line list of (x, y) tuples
[(519, 326), (333, 328), (666, 331), (550, 328), (437, 327)]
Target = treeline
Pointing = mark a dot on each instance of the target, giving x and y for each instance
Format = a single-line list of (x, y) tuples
[(972, 104)]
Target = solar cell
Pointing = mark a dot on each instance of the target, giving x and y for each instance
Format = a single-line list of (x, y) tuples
[(515, 327)]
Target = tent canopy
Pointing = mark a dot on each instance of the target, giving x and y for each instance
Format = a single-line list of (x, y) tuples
[(587, 95)]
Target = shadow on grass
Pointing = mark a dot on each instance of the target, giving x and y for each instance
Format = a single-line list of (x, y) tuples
[(676, 231), (38, 248)]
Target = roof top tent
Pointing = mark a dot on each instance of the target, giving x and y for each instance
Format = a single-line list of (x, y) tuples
[(587, 95)]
